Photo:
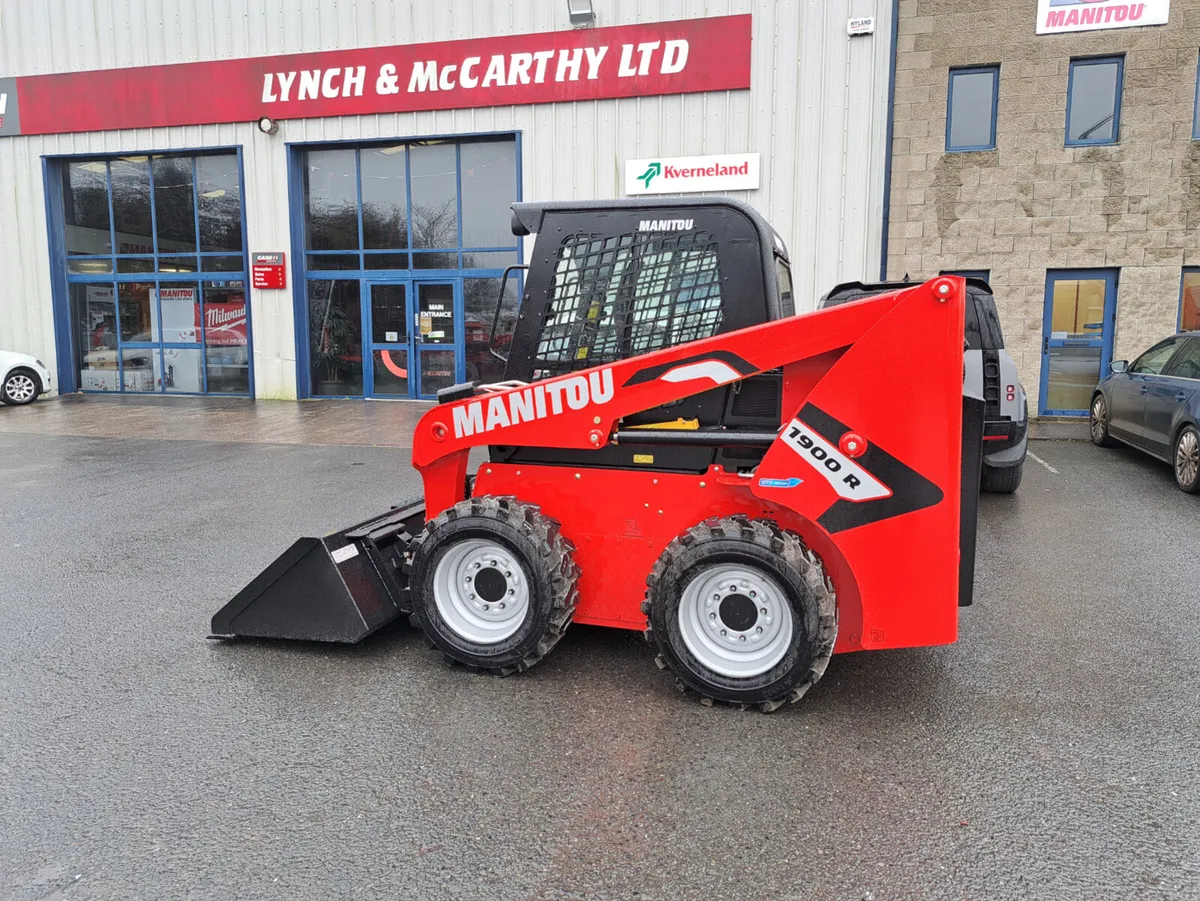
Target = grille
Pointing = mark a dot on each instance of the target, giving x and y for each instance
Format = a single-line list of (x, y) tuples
[(617, 296)]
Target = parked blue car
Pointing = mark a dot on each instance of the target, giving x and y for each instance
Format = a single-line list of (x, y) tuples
[(1153, 404)]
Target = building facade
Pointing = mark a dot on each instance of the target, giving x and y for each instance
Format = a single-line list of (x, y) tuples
[(312, 199), (1053, 148)]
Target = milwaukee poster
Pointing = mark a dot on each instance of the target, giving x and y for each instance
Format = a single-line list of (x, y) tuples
[(680, 57)]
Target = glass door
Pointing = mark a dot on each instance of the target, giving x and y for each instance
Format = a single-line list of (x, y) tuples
[(1076, 338), (391, 340), (438, 335)]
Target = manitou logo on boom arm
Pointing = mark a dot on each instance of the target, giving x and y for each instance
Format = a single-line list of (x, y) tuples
[(535, 402)]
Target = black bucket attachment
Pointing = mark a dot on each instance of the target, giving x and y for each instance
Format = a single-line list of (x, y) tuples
[(338, 588)]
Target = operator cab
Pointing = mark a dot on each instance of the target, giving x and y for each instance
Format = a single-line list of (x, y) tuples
[(610, 280)]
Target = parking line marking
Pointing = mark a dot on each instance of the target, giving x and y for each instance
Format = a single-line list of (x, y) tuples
[(1038, 459)]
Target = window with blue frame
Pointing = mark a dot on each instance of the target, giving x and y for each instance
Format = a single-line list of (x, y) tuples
[(406, 212), (156, 272), (1094, 100), (972, 102), (1196, 107)]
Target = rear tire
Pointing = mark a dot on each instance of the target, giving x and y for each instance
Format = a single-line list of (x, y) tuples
[(492, 584), (1002, 481), (1098, 423), (21, 387), (742, 613), (1186, 460)]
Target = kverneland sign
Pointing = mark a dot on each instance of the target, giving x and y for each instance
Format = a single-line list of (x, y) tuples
[(692, 174), (1058, 16), (590, 64)]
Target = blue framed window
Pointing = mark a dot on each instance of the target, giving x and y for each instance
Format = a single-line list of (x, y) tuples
[(1189, 299), (402, 247), (972, 101), (1094, 100), (154, 251), (1196, 107), (983, 274)]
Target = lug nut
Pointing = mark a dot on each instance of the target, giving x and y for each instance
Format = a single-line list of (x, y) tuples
[(471, 597), (712, 616), (762, 610), (723, 633), (758, 631), (740, 637), (753, 594), (512, 591), (501, 605), (486, 608)]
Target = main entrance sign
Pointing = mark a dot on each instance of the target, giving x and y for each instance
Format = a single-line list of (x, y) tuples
[(680, 57)]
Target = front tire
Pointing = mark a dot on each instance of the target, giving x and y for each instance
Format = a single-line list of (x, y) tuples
[(742, 612), (20, 387), (1186, 459), (1098, 423), (492, 584), (1002, 481)]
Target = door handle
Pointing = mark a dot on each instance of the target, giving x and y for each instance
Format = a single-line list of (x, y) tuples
[(1144, 390), (1180, 397)]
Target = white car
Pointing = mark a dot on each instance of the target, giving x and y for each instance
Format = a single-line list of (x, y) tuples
[(22, 378)]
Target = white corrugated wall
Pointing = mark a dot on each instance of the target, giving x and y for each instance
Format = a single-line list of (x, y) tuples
[(816, 112)]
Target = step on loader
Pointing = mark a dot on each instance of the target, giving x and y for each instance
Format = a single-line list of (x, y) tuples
[(674, 450)]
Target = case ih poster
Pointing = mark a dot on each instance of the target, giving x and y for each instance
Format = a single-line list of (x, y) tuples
[(1060, 16)]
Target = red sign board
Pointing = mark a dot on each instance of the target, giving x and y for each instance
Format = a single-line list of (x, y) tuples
[(586, 64), (224, 324), (268, 270)]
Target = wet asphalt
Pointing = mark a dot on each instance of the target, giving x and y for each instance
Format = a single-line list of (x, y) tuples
[(1052, 753)]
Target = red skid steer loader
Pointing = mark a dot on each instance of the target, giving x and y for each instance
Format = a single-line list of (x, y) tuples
[(673, 450)]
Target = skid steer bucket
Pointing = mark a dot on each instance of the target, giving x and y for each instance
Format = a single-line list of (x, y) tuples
[(338, 588)]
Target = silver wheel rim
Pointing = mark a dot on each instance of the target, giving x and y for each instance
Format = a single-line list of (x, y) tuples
[(735, 620), (481, 591), (1187, 458), (1099, 413), (20, 387)]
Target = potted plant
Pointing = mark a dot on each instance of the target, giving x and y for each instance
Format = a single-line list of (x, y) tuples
[(330, 343)]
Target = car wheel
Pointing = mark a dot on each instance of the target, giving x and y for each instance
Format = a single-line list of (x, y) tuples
[(1002, 481), (20, 387), (1187, 460), (1098, 423)]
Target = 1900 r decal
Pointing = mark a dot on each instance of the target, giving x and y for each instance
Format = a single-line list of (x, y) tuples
[(848, 479)]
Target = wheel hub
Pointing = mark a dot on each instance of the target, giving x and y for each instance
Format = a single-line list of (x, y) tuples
[(1098, 418), (20, 387), (481, 592), (736, 620), (1187, 458)]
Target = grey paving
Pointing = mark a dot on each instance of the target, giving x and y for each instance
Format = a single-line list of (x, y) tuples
[(1051, 753)]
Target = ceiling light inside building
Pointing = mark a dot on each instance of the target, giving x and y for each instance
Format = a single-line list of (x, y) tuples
[(219, 192), (95, 167)]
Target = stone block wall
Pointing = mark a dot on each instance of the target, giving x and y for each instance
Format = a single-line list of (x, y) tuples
[(1033, 204)]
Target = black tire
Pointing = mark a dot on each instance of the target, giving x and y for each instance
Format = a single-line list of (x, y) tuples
[(755, 545), (1002, 481), (547, 579), (16, 385), (1185, 459), (1098, 423)]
